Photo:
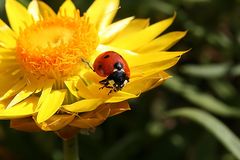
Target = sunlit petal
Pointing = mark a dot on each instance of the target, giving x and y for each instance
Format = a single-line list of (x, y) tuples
[(23, 109), (67, 9), (135, 40), (102, 12), (17, 15), (112, 30), (84, 105), (163, 42), (54, 100), (7, 36)]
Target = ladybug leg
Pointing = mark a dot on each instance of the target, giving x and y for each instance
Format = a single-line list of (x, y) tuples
[(105, 84)]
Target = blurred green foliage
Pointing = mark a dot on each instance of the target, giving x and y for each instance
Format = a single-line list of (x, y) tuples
[(207, 79)]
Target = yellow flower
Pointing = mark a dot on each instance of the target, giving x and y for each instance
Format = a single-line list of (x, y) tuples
[(44, 83)]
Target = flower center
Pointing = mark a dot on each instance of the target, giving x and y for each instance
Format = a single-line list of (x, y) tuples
[(55, 46)]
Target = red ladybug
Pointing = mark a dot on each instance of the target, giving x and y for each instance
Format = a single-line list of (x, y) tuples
[(112, 65)]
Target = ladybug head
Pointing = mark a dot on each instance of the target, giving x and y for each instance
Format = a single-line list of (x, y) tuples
[(118, 66)]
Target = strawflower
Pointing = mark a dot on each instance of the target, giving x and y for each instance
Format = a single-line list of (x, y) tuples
[(44, 83)]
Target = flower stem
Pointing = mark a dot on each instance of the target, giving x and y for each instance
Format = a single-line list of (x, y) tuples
[(70, 147)]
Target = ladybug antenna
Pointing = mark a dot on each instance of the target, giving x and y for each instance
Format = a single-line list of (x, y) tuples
[(86, 62)]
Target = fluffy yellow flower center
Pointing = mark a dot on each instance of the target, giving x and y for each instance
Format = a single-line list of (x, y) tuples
[(54, 47)]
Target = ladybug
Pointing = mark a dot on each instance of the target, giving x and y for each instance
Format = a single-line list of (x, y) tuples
[(111, 65)]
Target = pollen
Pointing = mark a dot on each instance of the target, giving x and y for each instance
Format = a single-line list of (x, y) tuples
[(54, 47)]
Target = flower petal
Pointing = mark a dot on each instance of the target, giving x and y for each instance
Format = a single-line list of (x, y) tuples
[(163, 42), (14, 89), (22, 109), (44, 10), (24, 124), (8, 79), (7, 36), (7, 54), (67, 9), (146, 83), (84, 105), (67, 132), (134, 26), (117, 108), (56, 122), (26, 92), (120, 96), (92, 119), (33, 9), (133, 41), (50, 105), (17, 15), (151, 68), (83, 90), (47, 88), (102, 12), (71, 84), (141, 59), (112, 30)]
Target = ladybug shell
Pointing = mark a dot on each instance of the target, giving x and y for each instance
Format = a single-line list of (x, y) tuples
[(104, 63)]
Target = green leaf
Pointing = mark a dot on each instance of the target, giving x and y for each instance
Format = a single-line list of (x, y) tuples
[(213, 125), (235, 71), (223, 88), (208, 71), (204, 100)]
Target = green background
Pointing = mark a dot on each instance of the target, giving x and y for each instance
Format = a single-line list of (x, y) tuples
[(206, 79)]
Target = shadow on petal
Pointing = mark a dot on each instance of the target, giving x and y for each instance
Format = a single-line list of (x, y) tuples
[(25, 124), (93, 118)]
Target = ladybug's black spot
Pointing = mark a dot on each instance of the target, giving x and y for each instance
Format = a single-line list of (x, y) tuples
[(99, 66), (107, 56)]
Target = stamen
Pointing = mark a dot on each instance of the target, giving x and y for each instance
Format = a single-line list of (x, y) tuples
[(54, 47)]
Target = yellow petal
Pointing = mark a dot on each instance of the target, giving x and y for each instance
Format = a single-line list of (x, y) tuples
[(163, 42), (8, 79), (71, 84), (14, 89), (47, 88), (142, 59), (17, 15), (112, 30), (22, 109), (33, 9), (4, 103), (120, 96), (84, 105), (67, 9), (102, 12), (51, 105), (24, 124), (6, 54), (141, 71), (133, 41), (146, 83), (26, 92), (134, 26), (44, 10), (7, 36), (56, 122), (83, 90)]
